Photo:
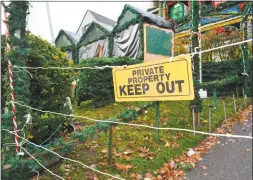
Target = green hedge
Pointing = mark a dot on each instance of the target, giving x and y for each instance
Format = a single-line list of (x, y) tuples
[(100, 82), (226, 71)]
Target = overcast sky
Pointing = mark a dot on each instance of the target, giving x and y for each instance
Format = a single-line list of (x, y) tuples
[(68, 15)]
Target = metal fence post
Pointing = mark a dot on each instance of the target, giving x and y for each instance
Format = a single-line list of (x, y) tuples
[(224, 105), (110, 146), (157, 121), (209, 118), (193, 119), (234, 103), (244, 97), (214, 99)]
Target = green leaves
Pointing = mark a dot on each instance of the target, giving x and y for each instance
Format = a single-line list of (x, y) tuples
[(99, 83), (220, 83)]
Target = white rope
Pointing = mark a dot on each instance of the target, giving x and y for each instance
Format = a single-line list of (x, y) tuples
[(51, 135), (66, 68), (106, 66), (138, 125), (38, 174), (220, 47), (42, 164), (72, 160)]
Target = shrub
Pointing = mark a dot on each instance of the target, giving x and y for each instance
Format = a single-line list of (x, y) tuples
[(100, 82), (49, 88)]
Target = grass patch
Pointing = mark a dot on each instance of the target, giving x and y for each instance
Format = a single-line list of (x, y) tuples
[(171, 144)]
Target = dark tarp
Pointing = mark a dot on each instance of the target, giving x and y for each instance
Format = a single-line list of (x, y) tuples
[(127, 42), (91, 50), (152, 18)]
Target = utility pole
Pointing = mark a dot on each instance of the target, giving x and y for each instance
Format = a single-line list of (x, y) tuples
[(50, 22)]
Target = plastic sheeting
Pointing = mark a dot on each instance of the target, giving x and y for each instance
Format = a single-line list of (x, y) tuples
[(91, 50), (127, 42), (69, 54)]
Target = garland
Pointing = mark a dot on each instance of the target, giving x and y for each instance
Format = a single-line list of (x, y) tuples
[(220, 83), (195, 43), (160, 12), (141, 30), (92, 41), (18, 56), (72, 47), (93, 25), (134, 21), (107, 34), (20, 166)]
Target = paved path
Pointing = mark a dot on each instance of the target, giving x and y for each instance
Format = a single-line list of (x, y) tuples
[(229, 160)]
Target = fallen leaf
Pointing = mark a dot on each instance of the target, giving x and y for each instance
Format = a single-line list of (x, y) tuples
[(149, 176), (249, 150), (124, 168), (127, 152), (138, 177), (133, 176), (204, 167)]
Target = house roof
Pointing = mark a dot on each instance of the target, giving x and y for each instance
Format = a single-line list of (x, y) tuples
[(96, 24), (154, 19), (75, 37), (106, 22), (103, 19)]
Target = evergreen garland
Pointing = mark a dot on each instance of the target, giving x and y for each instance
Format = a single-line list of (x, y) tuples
[(72, 47), (195, 43), (18, 56)]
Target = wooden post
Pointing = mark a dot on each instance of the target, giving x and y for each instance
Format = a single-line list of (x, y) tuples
[(157, 121), (110, 146)]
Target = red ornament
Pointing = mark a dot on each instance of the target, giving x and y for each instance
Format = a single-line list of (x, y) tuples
[(241, 5)]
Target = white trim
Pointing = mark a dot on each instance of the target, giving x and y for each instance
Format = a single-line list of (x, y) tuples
[(155, 10)]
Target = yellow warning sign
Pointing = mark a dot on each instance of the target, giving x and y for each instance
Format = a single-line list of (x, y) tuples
[(162, 80)]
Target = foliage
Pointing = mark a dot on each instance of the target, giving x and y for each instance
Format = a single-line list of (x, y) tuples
[(19, 52), (179, 46), (19, 168), (128, 115), (49, 88), (212, 39), (99, 83), (220, 83), (4, 73), (224, 74)]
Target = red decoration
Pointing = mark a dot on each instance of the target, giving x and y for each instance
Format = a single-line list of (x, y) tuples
[(241, 5), (171, 3)]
